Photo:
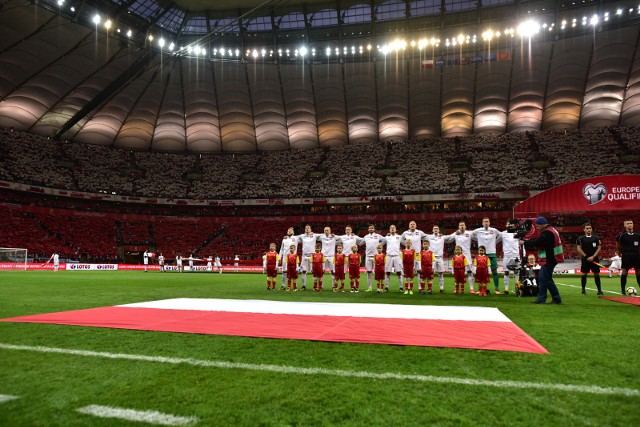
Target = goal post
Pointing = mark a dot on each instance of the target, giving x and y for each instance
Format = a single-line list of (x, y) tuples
[(15, 256)]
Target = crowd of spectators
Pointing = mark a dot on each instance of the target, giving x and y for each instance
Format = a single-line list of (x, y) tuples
[(477, 163)]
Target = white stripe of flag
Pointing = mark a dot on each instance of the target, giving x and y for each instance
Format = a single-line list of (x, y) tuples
[(385, 311)]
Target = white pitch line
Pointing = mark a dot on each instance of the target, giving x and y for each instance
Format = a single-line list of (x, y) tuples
[(7, 397), (574, 388), (589, 289), (152, 417)]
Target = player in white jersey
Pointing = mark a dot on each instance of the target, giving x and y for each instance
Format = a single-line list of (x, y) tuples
[(347, 240), (393, 263), (308, 240), (161, 262), (510, 253), (436, 244), (371, 241), (56, 261), (462, 238), (488, 237), (236, 262), (416, 236), (217, 264), (209, 263), (179, 263), (145, 258), (287, 241), (191, 258), (329, 242)]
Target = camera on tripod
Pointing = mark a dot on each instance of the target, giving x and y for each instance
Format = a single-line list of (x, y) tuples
[(520, 228)]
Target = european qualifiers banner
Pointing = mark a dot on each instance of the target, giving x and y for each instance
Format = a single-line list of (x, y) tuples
[(611, 193)]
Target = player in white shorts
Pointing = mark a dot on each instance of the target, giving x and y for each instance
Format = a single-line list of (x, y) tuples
[(217, 264), (416, 236), (308, 239), (56, 261), (329, 242), (462, 238), (393, 263), (179, 262), (488, 237), (236, 262), (510, 253), (145, 258), (191, 270), (616, 264), (287, 241), (371, 241), (347, 240), (161, 262), (436, 244)]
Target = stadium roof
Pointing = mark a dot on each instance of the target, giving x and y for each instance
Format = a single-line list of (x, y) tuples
[(222, 76)]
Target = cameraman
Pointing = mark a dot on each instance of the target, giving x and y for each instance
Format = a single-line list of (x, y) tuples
[(550, 254)]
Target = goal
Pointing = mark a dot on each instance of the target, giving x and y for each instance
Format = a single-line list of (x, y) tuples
[(14, 256)]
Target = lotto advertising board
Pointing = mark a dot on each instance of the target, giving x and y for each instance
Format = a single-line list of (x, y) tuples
[(90, 267)]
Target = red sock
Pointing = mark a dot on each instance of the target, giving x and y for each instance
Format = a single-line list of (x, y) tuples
[(457, 288), (430, 286)]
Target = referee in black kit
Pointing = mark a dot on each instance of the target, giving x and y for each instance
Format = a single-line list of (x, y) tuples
[(589, 248), (629, 248)]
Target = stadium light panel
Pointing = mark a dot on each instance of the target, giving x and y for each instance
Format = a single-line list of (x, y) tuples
[(161, 42), (303, 51), (129, 33), (108, 24), (60, 2), (96, 19), (528, 29)]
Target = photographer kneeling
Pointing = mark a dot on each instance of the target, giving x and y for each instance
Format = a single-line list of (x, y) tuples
[(550, 254)]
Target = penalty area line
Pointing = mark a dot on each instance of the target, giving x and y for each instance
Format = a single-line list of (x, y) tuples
[(573, 388), (152, 417)]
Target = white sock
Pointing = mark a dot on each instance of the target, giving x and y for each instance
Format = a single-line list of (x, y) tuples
[(441, 280), (370, 279), (470, 281), (386, 282), (507, 279)]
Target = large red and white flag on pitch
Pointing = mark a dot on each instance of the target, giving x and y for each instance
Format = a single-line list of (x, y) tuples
[(483, 328)]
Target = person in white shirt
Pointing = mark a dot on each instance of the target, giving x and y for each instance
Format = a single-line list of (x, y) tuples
[(287, 241), (217, 264), (462, 238), (347, 240), (436, 243), (371, 242), (488, 237), (416, 236), (56, 261), (209, 262), (145, 259), (616, 264), (235, 263), (328, 241), (191, 270), (179, 263), (393, 263), (510, 253), (308, 239), (161, 262)]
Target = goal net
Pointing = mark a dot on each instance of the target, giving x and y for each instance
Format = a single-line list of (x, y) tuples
[(14, 256)]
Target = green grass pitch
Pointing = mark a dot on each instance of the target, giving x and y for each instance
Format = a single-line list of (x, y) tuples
[(592, 343)]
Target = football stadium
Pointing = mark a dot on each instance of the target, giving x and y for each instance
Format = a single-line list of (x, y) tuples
[(319, 213)]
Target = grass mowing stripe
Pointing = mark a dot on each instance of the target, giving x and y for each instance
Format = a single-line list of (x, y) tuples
[(335, 372), (7, 397), (153, 417)]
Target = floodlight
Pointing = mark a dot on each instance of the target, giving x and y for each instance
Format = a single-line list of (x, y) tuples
[(96, 19), (161, 42), (528, 28)]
